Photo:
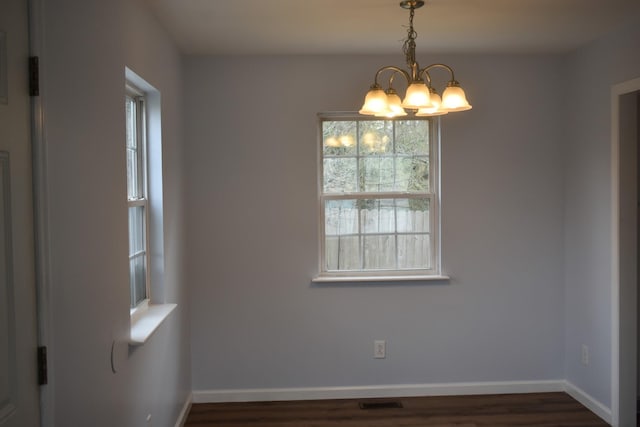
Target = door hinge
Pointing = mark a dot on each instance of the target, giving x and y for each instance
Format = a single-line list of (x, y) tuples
[(42, 365), (34, 76)]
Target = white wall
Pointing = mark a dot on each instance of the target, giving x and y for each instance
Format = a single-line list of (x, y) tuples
[(590, 73), (257, 322), (87, 45)]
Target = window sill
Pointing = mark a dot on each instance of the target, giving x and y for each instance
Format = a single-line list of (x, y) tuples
[(353, 279), (146, 319)]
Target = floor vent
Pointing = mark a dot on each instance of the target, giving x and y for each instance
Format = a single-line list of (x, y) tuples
[(387, 404)]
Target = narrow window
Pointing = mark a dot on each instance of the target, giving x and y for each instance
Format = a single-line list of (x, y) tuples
[(138, 203), (379, 196)]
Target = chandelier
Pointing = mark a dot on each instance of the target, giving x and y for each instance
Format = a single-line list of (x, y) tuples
[(420, 98)]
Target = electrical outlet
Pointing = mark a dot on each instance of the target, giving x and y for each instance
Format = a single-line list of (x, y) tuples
[(584, 356), (379, 349)]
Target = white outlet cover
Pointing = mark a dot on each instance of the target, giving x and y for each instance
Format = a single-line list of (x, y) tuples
[(585, 355)]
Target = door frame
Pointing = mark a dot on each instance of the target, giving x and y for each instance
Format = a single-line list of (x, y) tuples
[(41, 214), (619, 344)]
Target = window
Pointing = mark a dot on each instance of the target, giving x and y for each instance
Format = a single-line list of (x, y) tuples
[(379, 197), (149, 307), (137, 190)]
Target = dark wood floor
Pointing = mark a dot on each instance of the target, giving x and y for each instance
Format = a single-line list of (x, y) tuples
[(531, 410)]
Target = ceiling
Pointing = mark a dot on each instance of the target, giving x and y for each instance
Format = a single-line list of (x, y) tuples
[(378, 26)]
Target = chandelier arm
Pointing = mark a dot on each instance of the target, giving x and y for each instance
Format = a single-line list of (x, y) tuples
[(427, 75), (391, 77), (392, 68), (426, 69)]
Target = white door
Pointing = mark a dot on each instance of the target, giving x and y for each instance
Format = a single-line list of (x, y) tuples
[(19, 404)]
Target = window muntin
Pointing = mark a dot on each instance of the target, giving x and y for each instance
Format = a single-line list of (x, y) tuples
[(378, 196), (137, 200)]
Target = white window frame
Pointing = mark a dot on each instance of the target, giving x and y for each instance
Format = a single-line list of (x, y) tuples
[(149, 314), (433, 195), (139, 99)]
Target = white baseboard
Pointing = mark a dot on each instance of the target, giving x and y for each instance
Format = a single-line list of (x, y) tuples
[(587, 400), (184, 413), (359, 392)]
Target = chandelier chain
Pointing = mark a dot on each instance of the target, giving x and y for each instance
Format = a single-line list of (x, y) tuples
[(409, 46)]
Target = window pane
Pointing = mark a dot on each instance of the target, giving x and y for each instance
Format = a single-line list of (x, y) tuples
[(340, 175), (134, 179), (342, 253), (138, 279), (412, 137), (414, 251), (130, 107), (412, 174), (341, 217), (413, 215), (132, 175), (379, 252), (377, 216), (376, 174), (137, 230), (339, 138), (376, 137)]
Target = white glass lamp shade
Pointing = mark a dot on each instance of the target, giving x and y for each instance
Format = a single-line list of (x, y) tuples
[(394, 106), (375, 102), (417, 96), (454, 99), (435, 109)]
